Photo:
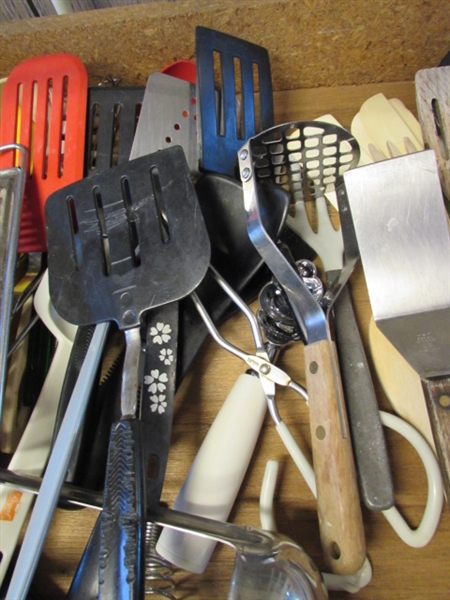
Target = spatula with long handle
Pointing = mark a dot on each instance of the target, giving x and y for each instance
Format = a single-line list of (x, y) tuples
[(404, 240), (125, 241)]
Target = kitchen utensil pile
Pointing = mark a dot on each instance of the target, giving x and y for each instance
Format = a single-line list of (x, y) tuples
[(159, 212)]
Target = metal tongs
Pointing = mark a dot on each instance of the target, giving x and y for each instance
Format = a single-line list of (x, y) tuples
[(269, 374)]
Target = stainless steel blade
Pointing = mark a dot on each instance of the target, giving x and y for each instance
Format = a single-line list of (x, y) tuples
[(168, 117), (403, 236)]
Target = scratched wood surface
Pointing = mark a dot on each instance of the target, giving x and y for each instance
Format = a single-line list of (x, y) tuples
[(399, 571)]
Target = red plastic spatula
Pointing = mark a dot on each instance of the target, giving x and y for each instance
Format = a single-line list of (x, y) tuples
[(44, 109)]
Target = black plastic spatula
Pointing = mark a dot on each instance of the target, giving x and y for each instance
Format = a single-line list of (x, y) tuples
[(120, 243), (234, 96)]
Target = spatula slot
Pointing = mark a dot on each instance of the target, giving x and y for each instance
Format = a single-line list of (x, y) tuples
[(440, 131), (62, 125), (160, 205), (132, 221), (95, 119), (220, 98), (106, 254), (75, 233), (238, 86), (115, 134)]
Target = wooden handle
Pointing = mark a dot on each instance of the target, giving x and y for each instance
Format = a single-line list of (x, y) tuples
[(339, 509), (437, 397)]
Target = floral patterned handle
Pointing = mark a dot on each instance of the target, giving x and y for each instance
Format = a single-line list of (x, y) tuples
[(158, 391)]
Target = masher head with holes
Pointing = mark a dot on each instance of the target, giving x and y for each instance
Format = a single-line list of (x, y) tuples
[(126, 240), (313, 152)]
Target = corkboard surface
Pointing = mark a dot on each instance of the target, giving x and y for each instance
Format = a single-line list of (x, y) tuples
[(311, 43)]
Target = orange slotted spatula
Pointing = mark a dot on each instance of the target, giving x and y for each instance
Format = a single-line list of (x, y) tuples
[(44, 109)]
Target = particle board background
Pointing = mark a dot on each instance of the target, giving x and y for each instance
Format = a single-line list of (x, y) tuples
[(312, 43)]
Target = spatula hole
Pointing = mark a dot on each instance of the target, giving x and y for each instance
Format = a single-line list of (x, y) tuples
[(75, 233), (218, 78), (98, 203), (152, 467), (62, 125), (94, 124), (257, 96), (240, 133), (131, 221), (48, 119), (160, 205), (439, 128), (116, 134)]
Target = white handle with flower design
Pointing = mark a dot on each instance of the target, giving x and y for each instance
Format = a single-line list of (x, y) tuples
[(216, 474)]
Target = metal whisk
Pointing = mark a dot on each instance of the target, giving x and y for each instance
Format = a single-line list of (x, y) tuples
[(158, 571)]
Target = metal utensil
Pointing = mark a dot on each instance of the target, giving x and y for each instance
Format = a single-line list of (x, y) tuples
[(169, 110), (369, 446), (401, 224), (276, 154), (234, 94), (12, 185)]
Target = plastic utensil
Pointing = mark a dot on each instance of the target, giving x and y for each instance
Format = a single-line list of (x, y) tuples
[(160, 230), (44, 110), (229, 118), (385, 128)]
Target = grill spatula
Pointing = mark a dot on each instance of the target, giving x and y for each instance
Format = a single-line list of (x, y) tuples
[(401, 226), (125, 241)]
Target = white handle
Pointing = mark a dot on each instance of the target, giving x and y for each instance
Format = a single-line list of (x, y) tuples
[(216, 474)]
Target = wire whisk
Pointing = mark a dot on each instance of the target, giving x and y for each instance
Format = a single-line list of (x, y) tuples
[(158, 571)]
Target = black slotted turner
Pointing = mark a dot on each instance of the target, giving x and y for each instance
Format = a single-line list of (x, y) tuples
[(243, 104), (127, 240)]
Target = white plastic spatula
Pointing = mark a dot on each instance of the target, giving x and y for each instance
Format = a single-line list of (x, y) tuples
[(385, 128)]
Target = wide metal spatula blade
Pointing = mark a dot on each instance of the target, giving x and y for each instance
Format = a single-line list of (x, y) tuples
[(401, 225), (400, 221)]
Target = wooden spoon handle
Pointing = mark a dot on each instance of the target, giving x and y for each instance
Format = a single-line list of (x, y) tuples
[(339, 509)]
